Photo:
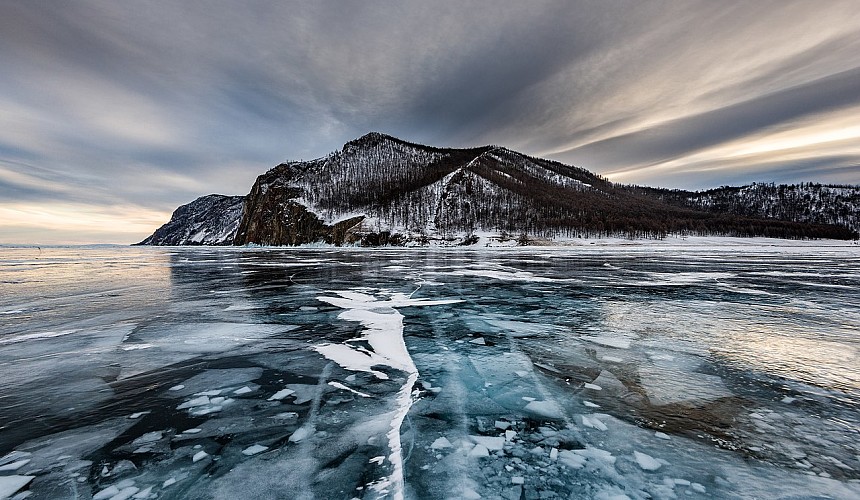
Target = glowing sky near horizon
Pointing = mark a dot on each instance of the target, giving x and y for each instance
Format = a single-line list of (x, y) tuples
[(114, 113)]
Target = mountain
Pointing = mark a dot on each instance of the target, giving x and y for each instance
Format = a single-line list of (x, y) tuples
[(382, 190), (208, 220), (805, 202)]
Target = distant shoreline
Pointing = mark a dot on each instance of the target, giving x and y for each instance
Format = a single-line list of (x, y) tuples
[(699, 242)]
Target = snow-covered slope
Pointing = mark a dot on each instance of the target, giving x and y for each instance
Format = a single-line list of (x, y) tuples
[(208, 220)]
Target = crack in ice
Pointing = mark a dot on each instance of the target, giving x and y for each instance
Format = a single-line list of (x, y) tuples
[(383, 332)]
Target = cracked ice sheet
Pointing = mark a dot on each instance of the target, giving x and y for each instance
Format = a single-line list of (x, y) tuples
[(668, 381), (384, 335), (502, 275), (173, 344)]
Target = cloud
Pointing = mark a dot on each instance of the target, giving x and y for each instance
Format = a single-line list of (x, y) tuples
[(677, 138), (151, 104)]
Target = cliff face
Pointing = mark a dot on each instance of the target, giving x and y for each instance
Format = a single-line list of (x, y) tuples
[(381, 190), (208, 220)]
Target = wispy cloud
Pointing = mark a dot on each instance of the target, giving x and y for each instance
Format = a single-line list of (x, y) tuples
[(110, 105)]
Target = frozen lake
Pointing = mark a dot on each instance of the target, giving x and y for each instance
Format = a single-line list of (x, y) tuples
[(611, 372)]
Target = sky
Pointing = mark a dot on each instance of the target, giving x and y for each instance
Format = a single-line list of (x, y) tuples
[(114, 113)]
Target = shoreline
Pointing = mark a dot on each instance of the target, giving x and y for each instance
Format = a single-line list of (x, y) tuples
[(488, 243)]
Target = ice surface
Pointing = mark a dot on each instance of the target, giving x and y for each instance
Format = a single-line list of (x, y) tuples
[(676, 381), (609, 341), (726, 374), (522, 329)]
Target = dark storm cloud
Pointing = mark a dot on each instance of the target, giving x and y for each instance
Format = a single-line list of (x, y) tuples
[(138, 106)]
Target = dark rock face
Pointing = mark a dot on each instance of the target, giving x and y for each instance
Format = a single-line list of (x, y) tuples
[(380, 190), (208, 220)]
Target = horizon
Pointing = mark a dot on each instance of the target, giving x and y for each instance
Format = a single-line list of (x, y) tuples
[(116, 114)]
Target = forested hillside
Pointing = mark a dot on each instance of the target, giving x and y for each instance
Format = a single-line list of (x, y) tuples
[(805, 202)]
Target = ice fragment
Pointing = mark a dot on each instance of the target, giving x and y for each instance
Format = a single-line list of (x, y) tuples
[(571, 459), (593, 423), (254, 449), (202, 400), (14, 456), (10, 484), (108, 492), (489, 442), (143, 493), (281, 394), (149, 437), (213, 392), (125, 493), (441, 443), (545, 408), (14, 465), (479, 451), (646, 462), (200, 455), (301, 434)]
